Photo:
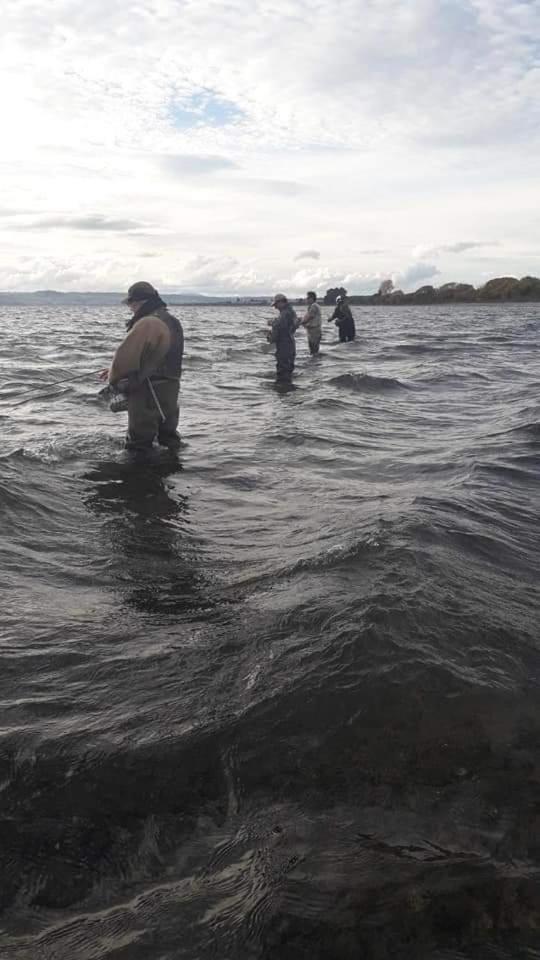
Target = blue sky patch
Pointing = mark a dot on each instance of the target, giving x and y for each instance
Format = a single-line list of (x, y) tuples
[(203, 109)]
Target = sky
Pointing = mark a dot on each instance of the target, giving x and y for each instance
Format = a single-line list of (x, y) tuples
[(261, 145)]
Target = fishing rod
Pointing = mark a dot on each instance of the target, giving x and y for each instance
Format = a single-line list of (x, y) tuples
[(54, 383)]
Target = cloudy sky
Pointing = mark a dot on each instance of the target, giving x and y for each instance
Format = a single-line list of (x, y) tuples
[(261, 144)]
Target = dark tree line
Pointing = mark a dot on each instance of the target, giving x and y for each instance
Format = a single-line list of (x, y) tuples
[(332, 293)]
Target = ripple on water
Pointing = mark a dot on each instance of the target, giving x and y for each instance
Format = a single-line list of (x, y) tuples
[(276, 696)]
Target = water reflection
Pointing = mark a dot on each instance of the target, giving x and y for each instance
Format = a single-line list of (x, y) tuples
[(154, 562)]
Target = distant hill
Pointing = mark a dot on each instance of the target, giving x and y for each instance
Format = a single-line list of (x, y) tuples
[(91, 298)]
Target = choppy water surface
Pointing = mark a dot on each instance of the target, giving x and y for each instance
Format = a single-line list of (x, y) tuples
[(278, 698)]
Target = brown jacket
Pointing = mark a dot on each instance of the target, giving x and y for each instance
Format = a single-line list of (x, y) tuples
[(312, 319), (143, 349)]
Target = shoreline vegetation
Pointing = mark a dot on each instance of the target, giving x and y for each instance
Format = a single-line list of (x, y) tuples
[(498, 290)]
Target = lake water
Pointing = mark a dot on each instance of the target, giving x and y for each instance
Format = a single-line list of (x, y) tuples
[(277, 698)]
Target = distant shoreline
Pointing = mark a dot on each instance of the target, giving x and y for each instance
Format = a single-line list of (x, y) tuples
[(498, 290)]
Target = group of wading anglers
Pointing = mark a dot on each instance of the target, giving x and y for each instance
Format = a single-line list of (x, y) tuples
[(144, 376), (283, 328)]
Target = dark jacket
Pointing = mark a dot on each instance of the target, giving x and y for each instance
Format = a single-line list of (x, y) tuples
[(153, 347), (344, 320), (282, 333), (171, 366)]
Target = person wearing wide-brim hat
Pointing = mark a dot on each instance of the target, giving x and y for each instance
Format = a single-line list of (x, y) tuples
[(282, 334), (147, 367)]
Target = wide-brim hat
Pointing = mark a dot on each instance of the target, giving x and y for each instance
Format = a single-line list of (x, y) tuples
[(140, 291)]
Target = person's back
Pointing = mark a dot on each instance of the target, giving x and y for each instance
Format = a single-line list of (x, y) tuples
[(153, 347), (171, 366), (344, 320), (149, 362), (285, 326), (282, 334), (349, 326)]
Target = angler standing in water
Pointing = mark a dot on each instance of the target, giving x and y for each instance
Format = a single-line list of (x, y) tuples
[(282, 333), (312, 321), (344, 320), (146, 368)]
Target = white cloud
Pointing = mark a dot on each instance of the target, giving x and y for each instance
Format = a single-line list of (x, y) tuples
[(413, 274), (321, 278), (460, 246), (91, 222), (218, 275), (193, 165), (274, 188), (308, 255), (240, 136), (46, 273)]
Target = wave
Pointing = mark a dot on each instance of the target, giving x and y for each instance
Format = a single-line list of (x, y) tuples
[(240, 353), (496, 338), (452, 379), (217, 673), (507, 472), (196, 360), (64, 448), (332, 403), (417, 349), (367, 383), (339, 554), (531, 430)]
